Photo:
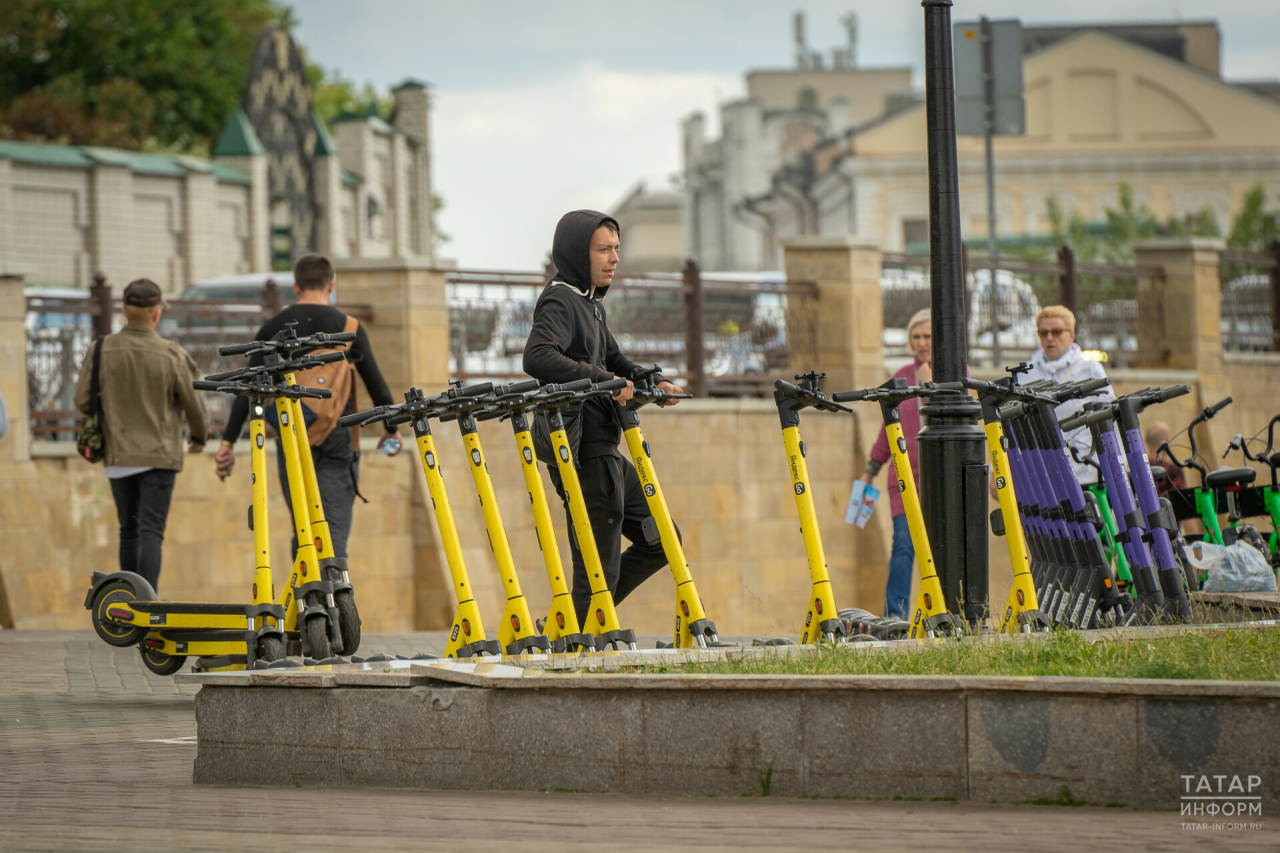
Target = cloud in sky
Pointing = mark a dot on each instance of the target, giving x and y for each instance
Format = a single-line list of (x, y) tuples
[(513, 159), (542, 106)]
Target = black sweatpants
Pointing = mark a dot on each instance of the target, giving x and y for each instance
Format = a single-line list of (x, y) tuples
[(617, 507), (142, 504), (337, 470)]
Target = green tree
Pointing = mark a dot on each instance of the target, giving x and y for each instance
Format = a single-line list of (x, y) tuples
[(1254, 229), (333, 95), (126, 73)]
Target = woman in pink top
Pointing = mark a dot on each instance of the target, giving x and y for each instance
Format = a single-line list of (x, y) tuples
[(901, 560)]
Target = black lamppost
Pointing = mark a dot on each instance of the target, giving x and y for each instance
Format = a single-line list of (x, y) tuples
[(953, 469)]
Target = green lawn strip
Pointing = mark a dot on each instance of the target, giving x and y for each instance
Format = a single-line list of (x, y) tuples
[(1225, 654)]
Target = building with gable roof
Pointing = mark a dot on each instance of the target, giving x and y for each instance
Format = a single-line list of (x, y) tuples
[(1104, 105)]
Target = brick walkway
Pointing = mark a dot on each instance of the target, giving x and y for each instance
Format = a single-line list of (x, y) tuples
[(96, 754)]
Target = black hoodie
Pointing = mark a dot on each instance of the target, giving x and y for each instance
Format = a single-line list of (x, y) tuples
[(570, 338)]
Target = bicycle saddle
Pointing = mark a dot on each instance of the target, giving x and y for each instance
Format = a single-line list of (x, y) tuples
[(1230, 477)]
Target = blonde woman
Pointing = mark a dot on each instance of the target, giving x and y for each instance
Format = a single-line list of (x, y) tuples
[(898, 589)]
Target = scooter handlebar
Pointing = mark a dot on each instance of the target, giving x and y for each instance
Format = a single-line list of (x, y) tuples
[(1092, 386), (230, 374), (206, 385), (575, 385), (848, 396), (337, 337), (476, 390), (1176, 391), (364, 417), (238, 349), (328, 357), (1216, 407), (521, 387), (610, 385), (1085, 419)]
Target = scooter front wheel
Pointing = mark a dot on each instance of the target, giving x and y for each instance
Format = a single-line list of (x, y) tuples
[(315, 635), (162, 664), (115, 633), (348, 620), (272, 649)]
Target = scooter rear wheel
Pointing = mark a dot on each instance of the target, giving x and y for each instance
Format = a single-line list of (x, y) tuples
[(315, 634), (162, 664), (272, 649), (114, 633), (348, 620)]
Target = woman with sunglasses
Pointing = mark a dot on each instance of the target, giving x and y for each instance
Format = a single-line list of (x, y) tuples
[(1061, 360)]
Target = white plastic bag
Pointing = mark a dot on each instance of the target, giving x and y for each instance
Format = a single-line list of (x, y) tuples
[(1238, 567)]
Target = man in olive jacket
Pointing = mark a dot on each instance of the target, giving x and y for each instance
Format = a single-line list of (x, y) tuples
[(145, 388)]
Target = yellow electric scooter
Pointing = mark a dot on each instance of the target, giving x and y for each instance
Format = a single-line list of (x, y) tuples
[(821, 620), (517, 633), (692, 627), (467, 636), (561, 625), (931, 618), (223, 636), (602, 618)]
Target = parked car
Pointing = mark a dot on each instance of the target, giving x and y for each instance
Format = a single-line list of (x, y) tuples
[(244, 289)]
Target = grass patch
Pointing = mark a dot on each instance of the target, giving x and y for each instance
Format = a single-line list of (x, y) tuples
[(1226, 654)]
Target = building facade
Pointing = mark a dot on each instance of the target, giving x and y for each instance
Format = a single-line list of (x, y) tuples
[(783, 117), (1102, 108), (652, 222), (67, 212)]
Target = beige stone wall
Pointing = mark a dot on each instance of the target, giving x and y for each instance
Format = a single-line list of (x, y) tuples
[(721, 464), (59, 225)]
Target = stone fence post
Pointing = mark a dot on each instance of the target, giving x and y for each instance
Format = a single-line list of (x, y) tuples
[(1180, 315), (849, 326), (409, 332), (16, 444), (409, 335)]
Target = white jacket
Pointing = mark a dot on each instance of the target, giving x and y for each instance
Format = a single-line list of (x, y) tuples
[(1072, 366)]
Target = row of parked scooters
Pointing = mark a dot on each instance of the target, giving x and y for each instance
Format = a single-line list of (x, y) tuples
[(315, 615), (1106, 554), (1102, 555)]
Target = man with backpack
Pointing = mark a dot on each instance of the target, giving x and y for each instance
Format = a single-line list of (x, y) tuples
[(138, 387), (334, 449)]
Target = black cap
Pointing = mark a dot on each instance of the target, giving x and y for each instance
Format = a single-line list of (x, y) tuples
[(143, 293)]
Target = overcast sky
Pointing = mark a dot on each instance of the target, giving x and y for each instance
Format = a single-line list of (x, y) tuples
[(544, 106)]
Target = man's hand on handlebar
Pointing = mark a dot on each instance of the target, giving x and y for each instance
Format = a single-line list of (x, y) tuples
[(624, 395), (670, 389)]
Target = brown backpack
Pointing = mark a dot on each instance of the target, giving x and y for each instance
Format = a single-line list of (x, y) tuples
[(338, 377)]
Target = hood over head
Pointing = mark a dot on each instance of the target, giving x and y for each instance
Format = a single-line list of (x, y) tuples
[(571, 248)]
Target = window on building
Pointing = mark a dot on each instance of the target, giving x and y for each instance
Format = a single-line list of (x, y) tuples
[(915, 234), (374, 220)]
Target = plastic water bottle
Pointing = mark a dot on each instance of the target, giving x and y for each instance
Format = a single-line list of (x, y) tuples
[(391, 446)]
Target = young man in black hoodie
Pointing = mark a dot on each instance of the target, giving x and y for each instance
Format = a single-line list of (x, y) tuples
[(570, 340)]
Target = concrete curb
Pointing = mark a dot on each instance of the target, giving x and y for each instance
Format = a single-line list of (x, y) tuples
[(486, 726)]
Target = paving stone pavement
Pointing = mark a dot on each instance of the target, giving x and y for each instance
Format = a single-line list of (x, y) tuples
[(96, 754)]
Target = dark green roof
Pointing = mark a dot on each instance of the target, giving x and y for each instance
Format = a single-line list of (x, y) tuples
[(409, 83), (65, 156), (230, 175), (351, 179), (85, 157), (238, 138), (324, 142)]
